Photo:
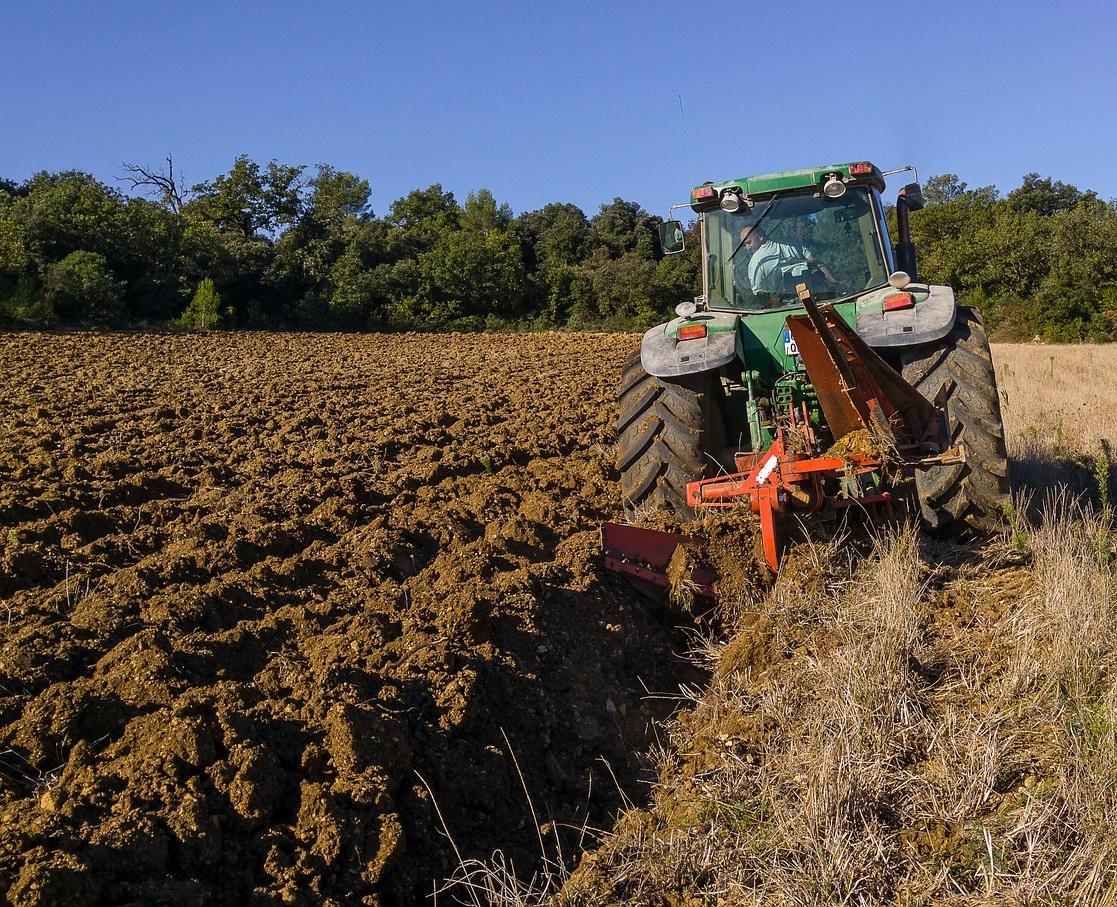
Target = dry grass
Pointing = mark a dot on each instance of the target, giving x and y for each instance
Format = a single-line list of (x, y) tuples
[(781, 779), (919, 734), (1059, 405)]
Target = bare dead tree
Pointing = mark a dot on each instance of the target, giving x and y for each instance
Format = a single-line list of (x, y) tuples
[(172, 191)]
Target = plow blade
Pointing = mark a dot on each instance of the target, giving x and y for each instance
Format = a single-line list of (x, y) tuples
[(644, 555)]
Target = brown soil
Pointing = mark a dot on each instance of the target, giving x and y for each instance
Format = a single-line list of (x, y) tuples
[(726, 542), (856, 443), (272, 602)]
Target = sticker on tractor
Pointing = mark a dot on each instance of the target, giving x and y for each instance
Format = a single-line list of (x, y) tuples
[(790, 348)]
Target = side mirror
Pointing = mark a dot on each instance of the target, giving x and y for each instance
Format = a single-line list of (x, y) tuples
[(671, 238), (909, 199), (912, 194)]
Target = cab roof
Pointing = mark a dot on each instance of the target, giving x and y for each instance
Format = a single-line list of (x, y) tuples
[(863, 172)]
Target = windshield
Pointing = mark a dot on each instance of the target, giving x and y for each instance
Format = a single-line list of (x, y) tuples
[(756, 257)]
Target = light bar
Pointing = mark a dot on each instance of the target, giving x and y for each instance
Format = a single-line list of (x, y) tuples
[(860, 169)]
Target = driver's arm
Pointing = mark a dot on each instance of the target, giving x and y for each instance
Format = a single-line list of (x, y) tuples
[(822, 267)]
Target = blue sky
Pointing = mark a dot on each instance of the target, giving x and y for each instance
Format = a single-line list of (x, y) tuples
[(567, 102)]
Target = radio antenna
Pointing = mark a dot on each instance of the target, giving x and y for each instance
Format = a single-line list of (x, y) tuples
[(686, 140)]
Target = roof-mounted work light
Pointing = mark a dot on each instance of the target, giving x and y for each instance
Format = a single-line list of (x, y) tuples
[(834, 187), (731, 201)]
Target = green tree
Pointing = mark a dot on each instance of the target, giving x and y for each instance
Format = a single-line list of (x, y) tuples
[(204, 310), (626, 227), (248, 200), (944, 234), (420, 219), (557, 234), (351, 289), (67, 212), (1045, 196), (482, 213), (82, 288), (325, 259), (467, 275), (1040, 260), (624, 290), (1075, 301), (336, 195), (567, 292), (233, 200), (946, 187), (398, 286), (15, 259), (151, 260), (21, 296)]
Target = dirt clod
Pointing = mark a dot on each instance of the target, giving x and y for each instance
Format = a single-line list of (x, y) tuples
[(726, 542)]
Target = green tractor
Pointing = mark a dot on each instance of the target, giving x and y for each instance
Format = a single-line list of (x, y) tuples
[(811, 327)]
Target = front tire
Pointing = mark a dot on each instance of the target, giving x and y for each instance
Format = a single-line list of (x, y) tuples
[(973, 493), (670, 432)]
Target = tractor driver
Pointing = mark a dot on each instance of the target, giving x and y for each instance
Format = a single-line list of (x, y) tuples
[(769, 262)]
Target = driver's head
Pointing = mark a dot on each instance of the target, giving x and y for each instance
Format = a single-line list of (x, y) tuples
[(754, 237)]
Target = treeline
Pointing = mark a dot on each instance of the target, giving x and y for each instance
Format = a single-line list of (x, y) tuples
[(273, 246), (1039, 261), (282, 246)]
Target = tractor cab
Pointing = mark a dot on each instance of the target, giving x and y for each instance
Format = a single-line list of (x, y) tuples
[(763, 236), (756, 256)]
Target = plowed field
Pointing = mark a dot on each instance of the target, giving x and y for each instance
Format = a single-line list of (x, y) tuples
[(270, 603)]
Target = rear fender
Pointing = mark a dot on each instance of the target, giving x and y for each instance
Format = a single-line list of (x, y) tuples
[(931, 318), (664, 356)]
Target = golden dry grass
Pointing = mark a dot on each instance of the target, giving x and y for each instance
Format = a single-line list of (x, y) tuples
[(1053, 389), (1059, 405)]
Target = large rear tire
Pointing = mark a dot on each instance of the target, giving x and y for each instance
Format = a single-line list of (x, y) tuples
[(670, 432), (974, 493)]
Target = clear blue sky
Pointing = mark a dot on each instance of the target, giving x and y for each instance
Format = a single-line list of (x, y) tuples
[(573, 101)]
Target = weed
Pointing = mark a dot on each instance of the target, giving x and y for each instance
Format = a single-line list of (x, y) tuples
[(1017, 528), (1102, 464), (1103, 537), (17, 769), (988, 779)]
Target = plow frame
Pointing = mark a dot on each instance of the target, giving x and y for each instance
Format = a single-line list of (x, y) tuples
[(784, 482)]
